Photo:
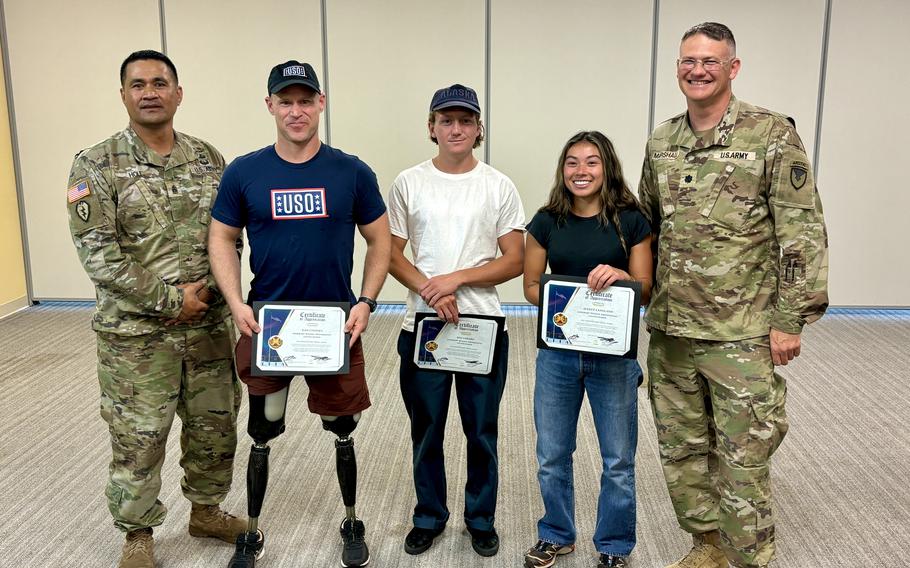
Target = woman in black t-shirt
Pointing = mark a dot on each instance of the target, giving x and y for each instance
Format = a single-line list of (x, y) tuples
[(591, 227)]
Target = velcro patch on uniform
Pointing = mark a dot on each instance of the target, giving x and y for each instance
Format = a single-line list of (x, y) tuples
[(83, 211), (298, 203), (734, 155), (78, 190), (664, 155), (799, 173)]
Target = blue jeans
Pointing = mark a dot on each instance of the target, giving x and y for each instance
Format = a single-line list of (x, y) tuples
[(426, 397), (563, 378)]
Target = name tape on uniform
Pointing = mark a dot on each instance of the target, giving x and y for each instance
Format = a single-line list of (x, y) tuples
[(298, 203), (664, 155), (733, 155)]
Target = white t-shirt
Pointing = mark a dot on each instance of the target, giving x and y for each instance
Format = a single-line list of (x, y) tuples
[(454, 221)]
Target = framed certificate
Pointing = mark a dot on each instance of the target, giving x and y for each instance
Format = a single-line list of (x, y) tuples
[(468, 346), (300, 338), (573, 317)]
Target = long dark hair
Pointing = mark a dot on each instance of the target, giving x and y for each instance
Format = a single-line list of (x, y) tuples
[(615, 195)]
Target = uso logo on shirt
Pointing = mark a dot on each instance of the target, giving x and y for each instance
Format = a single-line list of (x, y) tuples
[(298, 203)]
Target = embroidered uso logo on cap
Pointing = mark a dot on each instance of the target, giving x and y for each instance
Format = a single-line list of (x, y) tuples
[(294, 71), (298, 204)]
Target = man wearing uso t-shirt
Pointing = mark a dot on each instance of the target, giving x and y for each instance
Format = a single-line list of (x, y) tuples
[(299, 201)]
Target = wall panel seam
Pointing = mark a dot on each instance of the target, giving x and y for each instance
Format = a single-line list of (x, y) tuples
[(14, 146), (822, 77), (325, 71), (488, 76), (162, 26), (652, 95)]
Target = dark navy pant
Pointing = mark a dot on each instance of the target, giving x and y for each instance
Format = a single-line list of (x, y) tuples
[(426, 397)]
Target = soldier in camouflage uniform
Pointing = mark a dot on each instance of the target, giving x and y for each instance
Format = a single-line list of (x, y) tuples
[(742, 265), (139, 209)]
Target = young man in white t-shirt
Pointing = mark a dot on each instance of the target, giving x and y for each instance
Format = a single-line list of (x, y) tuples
[(458, 213)]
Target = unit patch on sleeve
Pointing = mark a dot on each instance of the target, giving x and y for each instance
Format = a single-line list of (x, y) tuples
[(83, 210), (77, 191), (298, 203), (798, 174)]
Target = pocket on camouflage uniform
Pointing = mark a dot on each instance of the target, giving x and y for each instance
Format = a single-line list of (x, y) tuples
[(769, 422), (207, 198), (137, 212), (114, 494), (734, 199)]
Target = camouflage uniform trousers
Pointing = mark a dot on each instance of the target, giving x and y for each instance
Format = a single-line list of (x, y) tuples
[(144, 381), (719, 411)]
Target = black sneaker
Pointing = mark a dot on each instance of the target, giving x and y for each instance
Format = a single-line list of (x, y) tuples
[(484, 543), (420, 540), (250, 548), (543, 554), (610, 561), (354, 551)]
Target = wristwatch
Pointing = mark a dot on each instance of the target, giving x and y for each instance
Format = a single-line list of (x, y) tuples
[(368, 301)]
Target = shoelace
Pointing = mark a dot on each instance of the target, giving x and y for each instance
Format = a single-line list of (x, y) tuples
[(698, 553), (138, 544), (542, 546), (357, 533)]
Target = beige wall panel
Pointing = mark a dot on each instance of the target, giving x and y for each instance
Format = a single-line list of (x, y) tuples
[(64, 64), (863, 187), (12, 263), (386, 59), (778, 41), (224, 66), (224, 50), (560, 68)]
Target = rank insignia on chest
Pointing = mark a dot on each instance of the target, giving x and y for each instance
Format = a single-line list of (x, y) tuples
[(298, 203), (799, 172)]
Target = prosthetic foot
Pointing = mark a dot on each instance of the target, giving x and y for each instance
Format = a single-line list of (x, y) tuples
[(354, 547), (266, 422)]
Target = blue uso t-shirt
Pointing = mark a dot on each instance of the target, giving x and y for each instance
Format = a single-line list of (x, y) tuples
[(300, 221), (575, 247)]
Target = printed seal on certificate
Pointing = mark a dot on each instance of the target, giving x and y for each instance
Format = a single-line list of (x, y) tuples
[(468, 346), (574, 317), (300, 338)]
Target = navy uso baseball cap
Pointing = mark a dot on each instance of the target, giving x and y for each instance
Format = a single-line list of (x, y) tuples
[(455, 96), (292, 73)]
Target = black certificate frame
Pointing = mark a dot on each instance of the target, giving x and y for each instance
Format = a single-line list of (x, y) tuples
[(256, 371), (500, 329), (632, 353)]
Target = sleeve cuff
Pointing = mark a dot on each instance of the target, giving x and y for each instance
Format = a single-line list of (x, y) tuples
[(788, 323), (173, 302)]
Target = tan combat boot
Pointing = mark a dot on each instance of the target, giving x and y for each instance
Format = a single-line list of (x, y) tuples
[(211, 521), (137, 550), (705, 553)]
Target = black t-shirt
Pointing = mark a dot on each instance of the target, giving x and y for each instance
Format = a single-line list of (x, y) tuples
[(579, 244)]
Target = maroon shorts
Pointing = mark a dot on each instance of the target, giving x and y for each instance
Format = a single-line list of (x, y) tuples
[(330, 395)]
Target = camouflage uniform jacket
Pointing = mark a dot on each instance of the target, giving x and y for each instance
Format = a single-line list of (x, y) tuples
[(140, 224), (741, 240)]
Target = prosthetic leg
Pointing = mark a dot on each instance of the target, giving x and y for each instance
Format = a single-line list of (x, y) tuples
[(354, 551), (266, 422)]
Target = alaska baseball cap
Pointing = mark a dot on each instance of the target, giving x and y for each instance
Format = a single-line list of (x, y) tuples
[(292, 73), (455, 96)]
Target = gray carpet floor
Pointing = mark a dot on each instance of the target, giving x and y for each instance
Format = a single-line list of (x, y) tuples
[(841, 481)]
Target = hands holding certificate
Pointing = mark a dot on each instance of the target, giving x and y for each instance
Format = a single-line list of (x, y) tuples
[(604, 275), (357, 321)]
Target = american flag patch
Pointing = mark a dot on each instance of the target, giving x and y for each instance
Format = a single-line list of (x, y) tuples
[(78, 191)]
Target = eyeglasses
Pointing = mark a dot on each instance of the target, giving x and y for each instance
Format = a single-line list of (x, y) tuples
[(688, 64)]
